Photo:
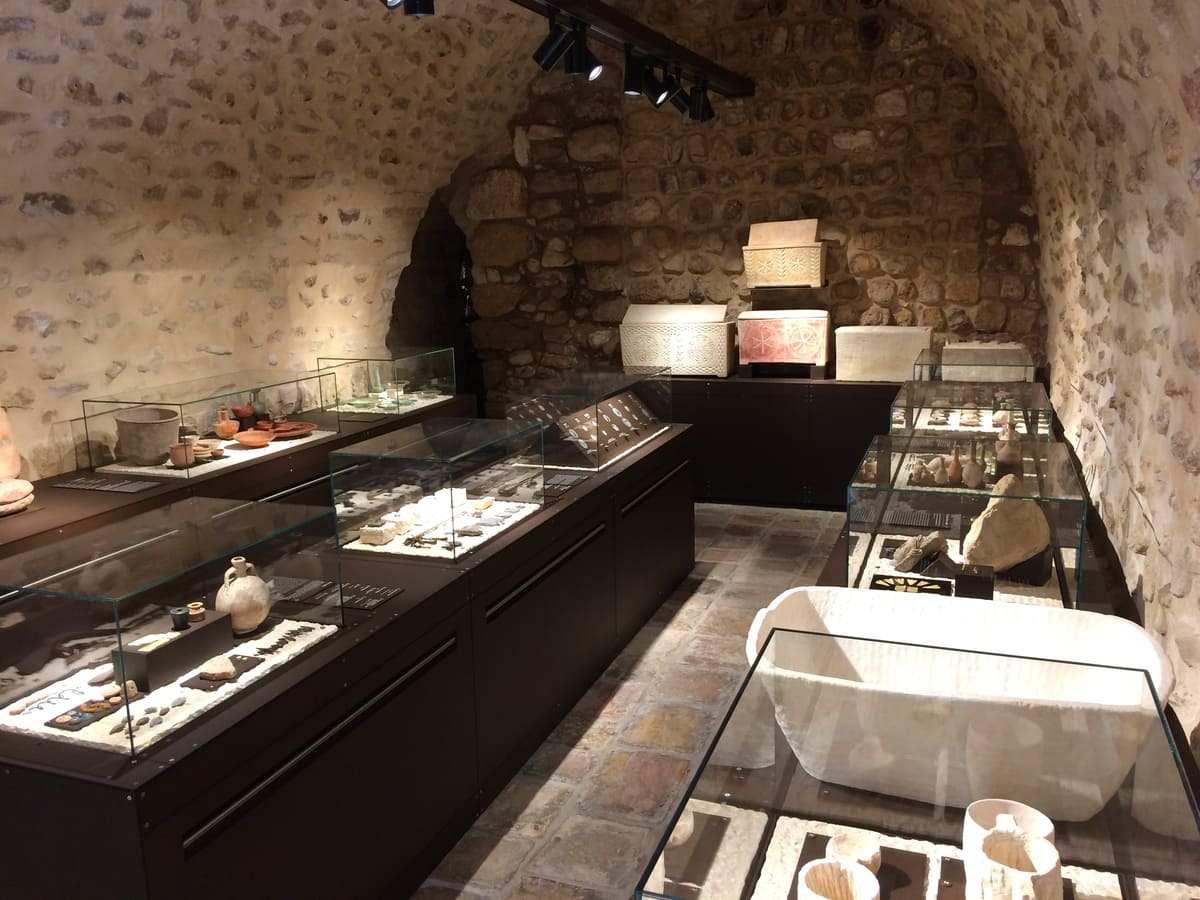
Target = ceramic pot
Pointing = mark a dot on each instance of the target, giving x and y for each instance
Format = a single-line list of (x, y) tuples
[(182, 453), (144, 433), (244, 595), (836, 879), (225, 427)]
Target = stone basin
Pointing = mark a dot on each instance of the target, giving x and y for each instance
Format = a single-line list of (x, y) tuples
[(893, 716)]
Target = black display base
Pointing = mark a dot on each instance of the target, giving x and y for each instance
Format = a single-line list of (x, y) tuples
[(1036, 570), (782, 370), (162, 665), (975, 581)]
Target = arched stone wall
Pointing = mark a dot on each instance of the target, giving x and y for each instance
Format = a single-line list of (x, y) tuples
[(1106, 97), (213, 185), (207, 185), (861, 117)]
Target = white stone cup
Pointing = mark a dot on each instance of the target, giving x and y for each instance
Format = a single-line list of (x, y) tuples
[(836, 879), (1019, 866), (985, 816), (855, 846)]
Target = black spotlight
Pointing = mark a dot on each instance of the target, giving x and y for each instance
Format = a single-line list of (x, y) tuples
[(700, 109), (556, 43), (580, 60), (391, 4), (660, 92), (652, 87), (681, 101), (635, 74), (418, 9)]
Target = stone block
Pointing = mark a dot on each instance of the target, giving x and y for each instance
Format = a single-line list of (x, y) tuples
[(600, 245), (595, 143), (495, 300), (497, 194), (502, 244), (497, 334)]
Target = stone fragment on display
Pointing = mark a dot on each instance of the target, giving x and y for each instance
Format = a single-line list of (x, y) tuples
[(1010, 530)]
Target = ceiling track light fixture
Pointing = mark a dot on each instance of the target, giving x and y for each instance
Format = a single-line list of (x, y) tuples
[(555, 44), (670, 87), (418, 9), (655, 91), (391, 4), (680, 99), (635, 74), (580, 60), (700, 109)]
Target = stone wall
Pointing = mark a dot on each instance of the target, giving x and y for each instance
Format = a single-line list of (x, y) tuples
[(1108, 96), (216, 185), (860, 118)]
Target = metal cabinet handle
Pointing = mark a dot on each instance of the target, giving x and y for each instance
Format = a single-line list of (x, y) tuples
[(516, 593), (383, 694), (654, 487)]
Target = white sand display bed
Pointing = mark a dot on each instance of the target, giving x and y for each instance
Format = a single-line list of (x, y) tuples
[(235, 455), (779, 867), (435, 520), (196, 702)]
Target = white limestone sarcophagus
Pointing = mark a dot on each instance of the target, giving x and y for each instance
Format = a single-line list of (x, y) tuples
[(690, 339), (899, 715), (784, 336), (784, 254), (879, 352), (980, 361)]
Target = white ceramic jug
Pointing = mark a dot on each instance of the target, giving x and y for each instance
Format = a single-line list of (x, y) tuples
[(244, 595)]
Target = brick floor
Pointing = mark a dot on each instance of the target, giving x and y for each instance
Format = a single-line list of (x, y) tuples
[(587, 810)]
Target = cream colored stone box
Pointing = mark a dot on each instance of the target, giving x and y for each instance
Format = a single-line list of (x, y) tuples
[(784, 336), (690, 339), (784, 254), (879, 352)]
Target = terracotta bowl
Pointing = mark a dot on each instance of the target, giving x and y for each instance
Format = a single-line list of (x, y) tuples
[(254, 438), (242, 412)]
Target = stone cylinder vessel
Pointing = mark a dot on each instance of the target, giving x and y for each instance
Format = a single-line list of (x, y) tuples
[(244, 595), (144, 434)]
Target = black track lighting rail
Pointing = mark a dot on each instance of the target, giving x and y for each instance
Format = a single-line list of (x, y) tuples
[(613, 27)]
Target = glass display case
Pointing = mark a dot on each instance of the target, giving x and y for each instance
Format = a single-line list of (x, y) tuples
[(415, 378), (965, 409), (870, 750), (595, 417), (211, 424), (937, 507), (440, 489), (116, 639), (975, 361)]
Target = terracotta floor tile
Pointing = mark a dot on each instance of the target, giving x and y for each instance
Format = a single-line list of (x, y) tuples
[(542, 889), (483, 861), (636, 784), (694, 686), (597, 853), (526, 807), (727, 619), (678, 729), (560, 761)]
